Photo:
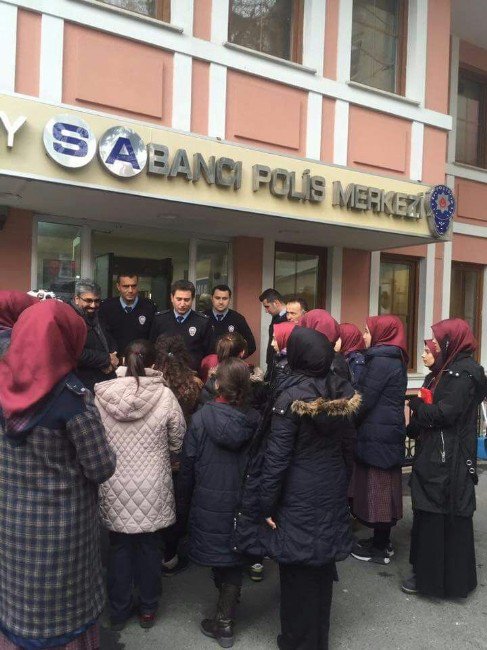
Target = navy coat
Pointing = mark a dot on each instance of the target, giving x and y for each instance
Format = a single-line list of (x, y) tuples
[(381, 428), (215, 454)]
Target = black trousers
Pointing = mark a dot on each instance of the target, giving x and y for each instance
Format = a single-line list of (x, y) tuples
[(306, 593), (134, 561), (227, 575)]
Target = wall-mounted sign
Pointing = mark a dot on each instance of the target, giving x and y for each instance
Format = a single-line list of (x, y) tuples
[(442, 208), (122, 151), (69, 141)]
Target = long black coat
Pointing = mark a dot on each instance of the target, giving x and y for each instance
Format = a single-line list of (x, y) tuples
[(96, 352), (381, 430), (440, 480), (298, 476), (214, 458)]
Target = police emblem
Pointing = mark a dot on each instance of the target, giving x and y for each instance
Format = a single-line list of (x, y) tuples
[(142, 319), (442, 205), (192, 331), (231, 328)]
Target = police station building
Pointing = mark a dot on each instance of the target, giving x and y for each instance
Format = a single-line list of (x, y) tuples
[(334, 149)]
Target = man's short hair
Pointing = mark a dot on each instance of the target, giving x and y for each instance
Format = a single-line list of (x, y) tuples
[(87, 286), (271, 295), (302, 302), (222, 287), (183, 285), (127, 274)]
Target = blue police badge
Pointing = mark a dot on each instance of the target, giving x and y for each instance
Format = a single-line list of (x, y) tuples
[(442, 205)]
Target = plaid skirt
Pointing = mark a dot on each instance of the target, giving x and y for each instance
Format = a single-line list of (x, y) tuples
[(89, 640), (376, 495)]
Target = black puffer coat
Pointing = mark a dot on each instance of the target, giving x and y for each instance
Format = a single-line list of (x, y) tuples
[(297, 474), (215, 454), (381, 429), (440, 480)]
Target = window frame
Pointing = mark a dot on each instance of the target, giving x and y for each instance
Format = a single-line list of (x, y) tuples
[(296, 34), (479, 270), (162, 10), (413, 291), (303, 249), (401, 53), (481, 79)]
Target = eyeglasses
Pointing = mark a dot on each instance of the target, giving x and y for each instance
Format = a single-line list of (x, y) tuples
[(91, 301)]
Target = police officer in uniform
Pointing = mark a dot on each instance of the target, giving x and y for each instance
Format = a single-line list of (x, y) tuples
[(224, 320), (183, 321), (128, 317)]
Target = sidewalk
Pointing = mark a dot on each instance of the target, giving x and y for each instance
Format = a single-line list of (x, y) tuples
[(369, 610)]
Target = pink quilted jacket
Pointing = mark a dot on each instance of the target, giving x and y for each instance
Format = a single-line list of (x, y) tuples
[(142, 425)]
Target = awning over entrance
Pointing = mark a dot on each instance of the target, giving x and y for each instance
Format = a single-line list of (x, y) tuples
[(77, 163)]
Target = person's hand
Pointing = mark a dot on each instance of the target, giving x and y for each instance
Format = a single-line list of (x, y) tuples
[(114, 359), (270, 522)]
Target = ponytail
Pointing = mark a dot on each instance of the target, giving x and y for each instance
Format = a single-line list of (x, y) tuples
[(230, 345), (139, 355)]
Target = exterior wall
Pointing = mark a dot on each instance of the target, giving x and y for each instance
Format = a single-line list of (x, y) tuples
[(28, 53), (437, 64), (16, 251), (202, 19), (328, 130), (200, 88), (331, 38), (355, 286)]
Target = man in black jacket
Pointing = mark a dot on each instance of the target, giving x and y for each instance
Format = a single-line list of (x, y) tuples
[(182, 320), (224, 320), (98, 360), (275, 305), (128, 317)]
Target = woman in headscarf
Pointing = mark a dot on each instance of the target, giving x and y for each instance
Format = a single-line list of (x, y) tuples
[(12, 304), (53, 455), (444, 471), (303, 489), (279, 370), (376, 486), (351, 345)]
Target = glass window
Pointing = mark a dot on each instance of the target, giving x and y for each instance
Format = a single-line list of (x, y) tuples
[(160, 9), (466, 295), (471, 120), (58, 258), (398, 296), (299, 271), (270, 26), (211, 269), (379, 44)]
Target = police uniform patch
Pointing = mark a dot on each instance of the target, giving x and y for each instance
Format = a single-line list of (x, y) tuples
[(231, 328), (192, 331), (142, 319)]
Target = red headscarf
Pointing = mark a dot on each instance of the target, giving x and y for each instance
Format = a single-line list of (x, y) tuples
[(282, 331), (323, 322), (46, 343), (388, 330), (454, 336), (12, 304), (352, 339)]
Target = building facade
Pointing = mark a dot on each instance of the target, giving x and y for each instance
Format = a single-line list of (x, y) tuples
[(255, 142)]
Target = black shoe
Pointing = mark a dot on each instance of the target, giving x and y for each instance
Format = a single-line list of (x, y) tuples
[(117, 626), (221, 630), (367, 543), (181, 565), (370, 554), (256, 572), (409, 585)]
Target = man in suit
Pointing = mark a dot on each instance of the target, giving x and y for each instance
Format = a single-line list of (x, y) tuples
[(275, 305), (224, 320)]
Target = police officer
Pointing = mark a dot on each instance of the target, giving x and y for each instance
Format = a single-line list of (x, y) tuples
[(128, 317), (183, 321), (224, 320)]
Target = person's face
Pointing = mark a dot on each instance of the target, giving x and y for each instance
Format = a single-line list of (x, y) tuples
[(88, 302), (274, 345), (338, 345), (367, 337), (427, 356), (181, 301), (294, 311), (220, 300), (272, 308), (128, 288)]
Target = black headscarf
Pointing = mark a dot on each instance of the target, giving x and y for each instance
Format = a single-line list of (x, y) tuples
[(309, 352)]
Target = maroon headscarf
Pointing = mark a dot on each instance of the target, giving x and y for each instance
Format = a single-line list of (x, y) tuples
[(12, 304), (438, 363), (352, 339), (454, 336), (46, 343), (323, 322), (282, 332), (388, 330)]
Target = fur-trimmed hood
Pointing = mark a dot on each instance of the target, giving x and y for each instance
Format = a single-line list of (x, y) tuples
[(342, 407)]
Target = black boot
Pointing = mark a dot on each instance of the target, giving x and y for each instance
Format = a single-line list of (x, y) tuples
[(221, 627)]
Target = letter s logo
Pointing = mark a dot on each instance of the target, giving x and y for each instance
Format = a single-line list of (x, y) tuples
[(69, 141)]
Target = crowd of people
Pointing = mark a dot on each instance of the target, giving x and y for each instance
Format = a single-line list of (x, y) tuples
[(157, 428)]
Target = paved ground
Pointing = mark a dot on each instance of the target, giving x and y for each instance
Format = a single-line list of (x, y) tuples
[(369, 610)]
